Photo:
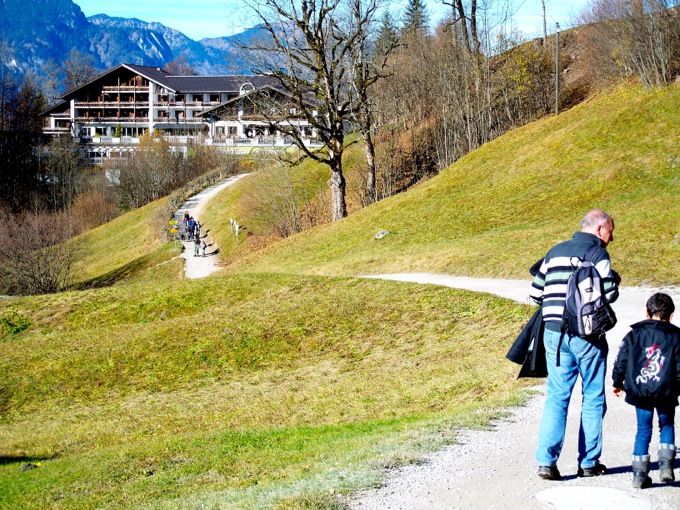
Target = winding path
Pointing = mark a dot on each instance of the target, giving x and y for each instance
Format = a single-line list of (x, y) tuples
[(199, 267)]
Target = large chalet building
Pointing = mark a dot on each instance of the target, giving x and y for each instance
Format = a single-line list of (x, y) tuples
[(118, 106)]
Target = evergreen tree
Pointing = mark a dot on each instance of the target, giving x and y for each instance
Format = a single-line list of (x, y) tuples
[(387, 36), (20, 131), (416, 17)]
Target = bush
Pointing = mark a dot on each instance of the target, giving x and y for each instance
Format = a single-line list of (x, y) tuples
[(13, 322)]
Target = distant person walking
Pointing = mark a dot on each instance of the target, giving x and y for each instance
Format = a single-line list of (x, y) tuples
[(647, 368), (569, 356), (197, 245)]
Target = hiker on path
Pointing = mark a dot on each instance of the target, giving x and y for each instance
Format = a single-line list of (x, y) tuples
[(197, 245), (647, 367), (568, 355)]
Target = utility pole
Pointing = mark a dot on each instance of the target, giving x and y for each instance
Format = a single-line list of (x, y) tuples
[(557, 69)]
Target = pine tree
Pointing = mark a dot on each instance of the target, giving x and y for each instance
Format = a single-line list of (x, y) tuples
[(387, 36), (416, 17)]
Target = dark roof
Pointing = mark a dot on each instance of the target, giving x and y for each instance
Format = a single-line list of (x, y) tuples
[(178, 84), (188, 84), (152, 73)]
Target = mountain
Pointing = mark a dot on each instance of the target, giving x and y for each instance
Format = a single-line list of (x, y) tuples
[(35, 32)]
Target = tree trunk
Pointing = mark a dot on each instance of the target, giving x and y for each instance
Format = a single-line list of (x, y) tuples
[(337, 185), (545, 26), (476, 45), (465, 36), (369, 151)]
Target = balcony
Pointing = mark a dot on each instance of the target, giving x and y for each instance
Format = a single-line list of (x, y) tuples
[(126, 88), (111, 104), (116, 120)]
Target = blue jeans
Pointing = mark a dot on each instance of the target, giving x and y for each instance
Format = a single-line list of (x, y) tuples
[(577, 357), (645, 417)]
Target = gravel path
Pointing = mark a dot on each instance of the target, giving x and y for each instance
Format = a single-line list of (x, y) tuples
[(200, 267), (495, 469)]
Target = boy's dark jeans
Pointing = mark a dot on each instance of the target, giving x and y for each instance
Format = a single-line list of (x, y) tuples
[(645, 417)]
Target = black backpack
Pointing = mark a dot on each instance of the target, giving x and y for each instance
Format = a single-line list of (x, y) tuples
[(587, 312)]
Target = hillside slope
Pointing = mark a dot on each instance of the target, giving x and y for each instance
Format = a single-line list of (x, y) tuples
[(496, 211)]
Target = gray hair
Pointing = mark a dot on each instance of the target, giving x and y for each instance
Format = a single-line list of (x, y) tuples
[(594, 218)]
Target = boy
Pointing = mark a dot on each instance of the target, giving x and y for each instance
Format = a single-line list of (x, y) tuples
[(647, 367)]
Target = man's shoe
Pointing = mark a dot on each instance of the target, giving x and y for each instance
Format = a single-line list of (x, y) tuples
[(597, 470), (549, 473)]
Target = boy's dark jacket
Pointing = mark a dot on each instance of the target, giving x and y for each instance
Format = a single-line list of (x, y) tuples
[(647, 366)]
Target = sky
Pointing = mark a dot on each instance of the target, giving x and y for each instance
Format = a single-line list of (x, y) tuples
[(199, 19)]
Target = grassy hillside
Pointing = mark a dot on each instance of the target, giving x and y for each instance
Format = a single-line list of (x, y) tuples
[(496, 211), (180, 394), (123, 246), (284, 382)]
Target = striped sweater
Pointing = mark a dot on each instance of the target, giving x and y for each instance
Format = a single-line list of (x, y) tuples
[(549, 288)]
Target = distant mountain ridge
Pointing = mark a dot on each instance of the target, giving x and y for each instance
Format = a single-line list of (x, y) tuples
[(35, 32)]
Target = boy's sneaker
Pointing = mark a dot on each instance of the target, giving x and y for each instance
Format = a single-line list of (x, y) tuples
[(549, 473), (597, 470)]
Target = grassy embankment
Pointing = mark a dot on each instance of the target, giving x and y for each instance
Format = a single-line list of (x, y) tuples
[(260, 390), (504, 205)]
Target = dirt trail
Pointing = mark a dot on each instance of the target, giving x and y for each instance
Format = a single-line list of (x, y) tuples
[(200, 267)]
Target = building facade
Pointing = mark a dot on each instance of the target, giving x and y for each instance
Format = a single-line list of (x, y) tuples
[(118, 106)]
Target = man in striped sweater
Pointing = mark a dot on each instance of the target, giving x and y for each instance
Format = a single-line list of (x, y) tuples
[(577, 356)]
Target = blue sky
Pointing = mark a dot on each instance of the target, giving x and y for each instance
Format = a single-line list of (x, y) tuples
[(216, 18)]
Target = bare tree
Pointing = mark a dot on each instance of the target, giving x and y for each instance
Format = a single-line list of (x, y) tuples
[(545, 23), (180, 67), (464, 23), (150, 173), (366, 73), (62, 173), (78, 69), (309, 53), (634, 38), (36, 256), (97, 205)]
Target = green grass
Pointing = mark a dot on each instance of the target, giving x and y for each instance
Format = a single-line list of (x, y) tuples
[(149, 394), (496, 211), (113, 250), (285, 382)]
